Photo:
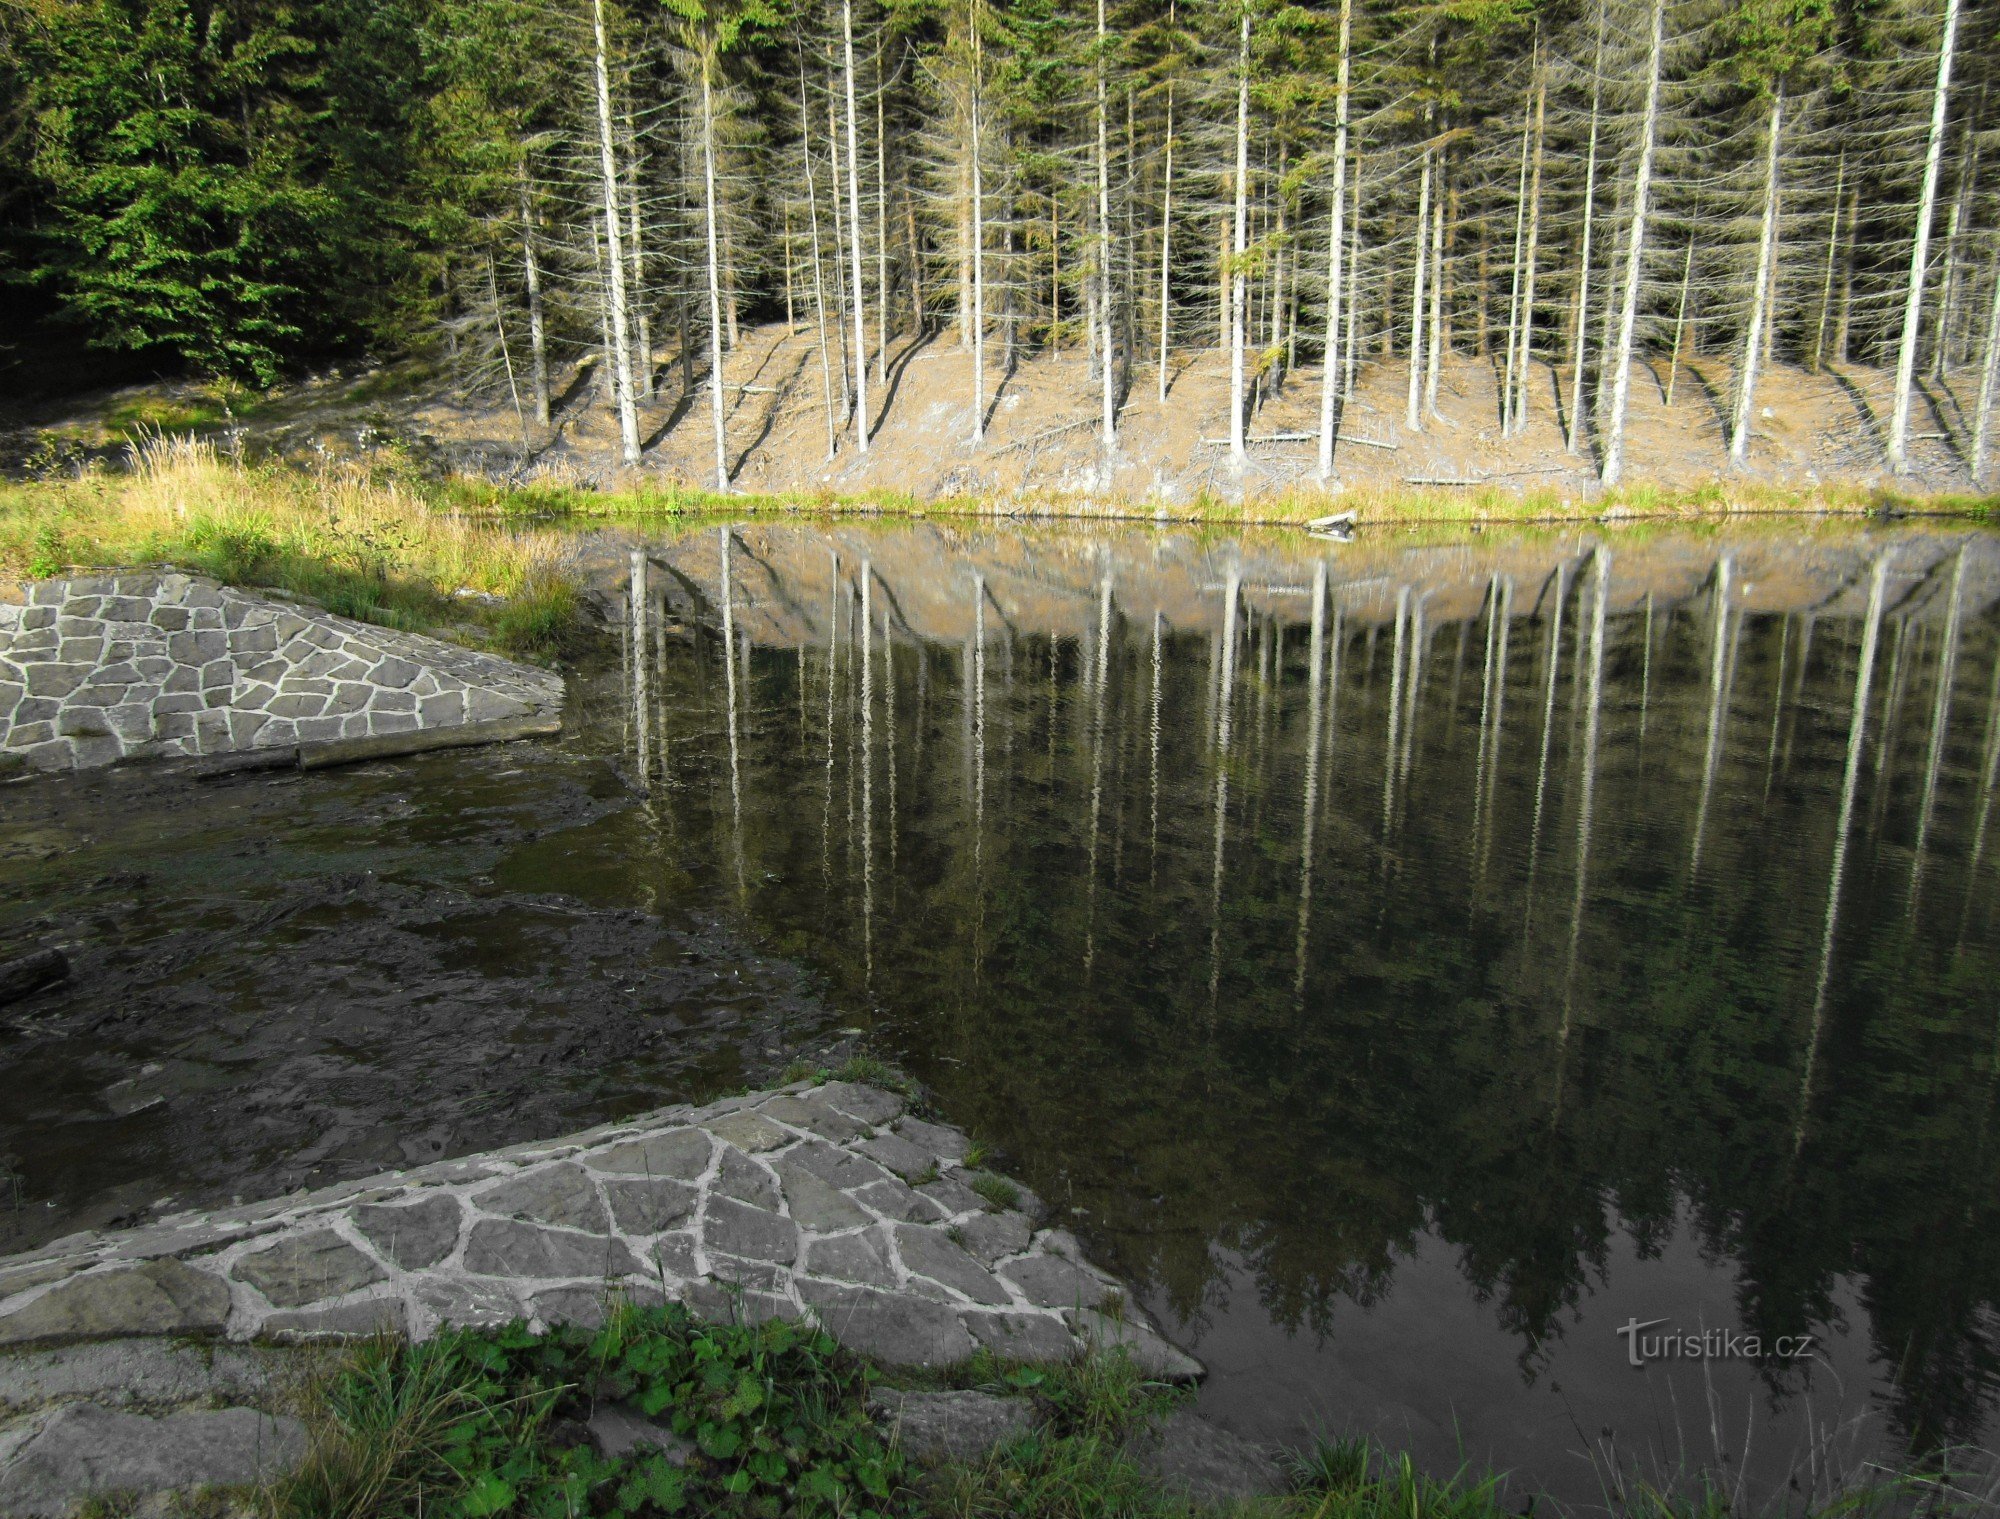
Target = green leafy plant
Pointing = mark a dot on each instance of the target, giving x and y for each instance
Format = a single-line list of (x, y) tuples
[(481, 1423)]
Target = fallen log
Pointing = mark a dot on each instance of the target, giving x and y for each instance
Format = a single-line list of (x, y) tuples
[(350, 751), (28, 974)]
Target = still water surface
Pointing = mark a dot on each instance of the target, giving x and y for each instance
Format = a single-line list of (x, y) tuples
[(1407, 962)]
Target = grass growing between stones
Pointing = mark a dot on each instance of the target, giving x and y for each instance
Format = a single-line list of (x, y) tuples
[(364, 545), (771, 1421)]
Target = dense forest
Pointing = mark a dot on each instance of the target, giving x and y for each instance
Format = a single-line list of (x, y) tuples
[(512, 187)]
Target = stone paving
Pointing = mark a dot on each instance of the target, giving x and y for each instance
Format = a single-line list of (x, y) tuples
[(98, 668), (828, 1201)]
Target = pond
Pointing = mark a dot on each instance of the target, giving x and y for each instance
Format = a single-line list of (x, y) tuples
[(1439, 973)]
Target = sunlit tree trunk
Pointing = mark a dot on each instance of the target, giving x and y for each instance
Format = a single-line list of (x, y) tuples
[(616, 302), (1760, 295), (717, 401), (1166, 248), (1413, 417), (1518, 418), (1913, 299), (1635, 253), (978, 236), (1108, 378), (1329, 382), (1237, 282), (1989, 376), (860, 355), (1579, 337)]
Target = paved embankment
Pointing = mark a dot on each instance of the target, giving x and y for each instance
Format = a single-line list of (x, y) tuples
[(99, 668)]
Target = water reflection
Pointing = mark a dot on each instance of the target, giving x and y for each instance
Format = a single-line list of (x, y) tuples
[(1339, 1002)]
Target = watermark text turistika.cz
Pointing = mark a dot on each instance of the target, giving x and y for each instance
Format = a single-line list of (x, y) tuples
[(1642, 1348)]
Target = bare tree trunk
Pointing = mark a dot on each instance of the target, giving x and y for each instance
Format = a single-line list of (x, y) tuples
[(1353, 285), (538, 353), (819, 280), (715, 378), (636, 237), (1507, 378), (1832, 252), (1760, 297), (978, 239), (840, 261), (1844, 325), (621, 346), (854, 225), (1578, 340), (1330, 373), (1436, 349), (1635, 253), (1237, 284), (1519, 419), (506, 354), (1413, 413), (1989, 374), (1166, 247), (1680, 320), (881, 220), (1913, 301), (1108, 378)]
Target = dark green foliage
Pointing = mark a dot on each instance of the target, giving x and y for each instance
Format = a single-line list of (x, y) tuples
[(479, 1423), (216, 183)]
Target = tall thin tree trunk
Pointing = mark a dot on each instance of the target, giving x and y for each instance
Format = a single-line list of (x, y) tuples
[(1579, 345), (840, 261), (1680, 320), (1166, 248), (1522, 368), (1832, 253), (1913, 300), (1507, 378), (881, 220), (978, 238), (1353, 286), (1330, 374), (854, 225), (1436, 339), (538, 353), (1989, 375), (1760, 296), (717, 410), (636, 236), (1635, 252), (621, 344), (819, 279), (1413, 414), (1108, 378), (1237, 283)]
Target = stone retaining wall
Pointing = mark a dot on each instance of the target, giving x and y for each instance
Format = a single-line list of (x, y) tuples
[(98, 668), (828, 1201)]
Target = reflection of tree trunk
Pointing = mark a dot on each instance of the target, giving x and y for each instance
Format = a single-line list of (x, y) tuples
[(1310, 813), (1947, 673), (1097, 685), (1394, 746), (1717, 703), (1153, 745), (1990, 773), (641, 706), (1856, 732), (1588, 791), (1224, 703), (867, 773), (1778, 706), (1548, 726), (735, 758), (832, 673)]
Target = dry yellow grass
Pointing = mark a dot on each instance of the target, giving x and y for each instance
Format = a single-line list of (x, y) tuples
[(362, 544)]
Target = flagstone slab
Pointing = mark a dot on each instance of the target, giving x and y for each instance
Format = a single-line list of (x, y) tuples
[(100, 668), (744, 1209)]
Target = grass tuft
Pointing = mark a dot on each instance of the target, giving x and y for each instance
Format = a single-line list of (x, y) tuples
[(362, 544)]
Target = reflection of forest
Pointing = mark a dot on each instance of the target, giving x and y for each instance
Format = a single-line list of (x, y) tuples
[(1299, 903)]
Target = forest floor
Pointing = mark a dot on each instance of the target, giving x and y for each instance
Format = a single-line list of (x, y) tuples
[(1819, 440)]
